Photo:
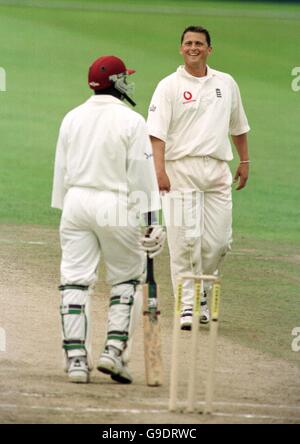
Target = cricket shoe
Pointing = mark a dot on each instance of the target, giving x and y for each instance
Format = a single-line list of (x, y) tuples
[(78, 370), (111, 363), (186, 318), (204, 317)]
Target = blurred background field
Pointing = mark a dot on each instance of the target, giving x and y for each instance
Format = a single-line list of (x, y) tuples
[(46, 52), (46, 48)]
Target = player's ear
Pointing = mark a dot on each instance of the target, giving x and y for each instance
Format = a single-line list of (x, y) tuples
[(210, 48)]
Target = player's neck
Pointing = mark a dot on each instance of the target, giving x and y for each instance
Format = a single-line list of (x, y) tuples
[(109, 91), (196, 71)]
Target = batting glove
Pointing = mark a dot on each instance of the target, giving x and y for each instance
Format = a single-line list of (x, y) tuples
[(153, 240)]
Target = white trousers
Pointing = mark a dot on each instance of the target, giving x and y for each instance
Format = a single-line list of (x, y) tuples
[(84, 242), (199, 243)]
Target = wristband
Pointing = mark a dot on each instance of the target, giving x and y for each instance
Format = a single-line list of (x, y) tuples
[(245, 161)]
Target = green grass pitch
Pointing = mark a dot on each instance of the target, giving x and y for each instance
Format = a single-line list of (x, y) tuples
[(46, 52)]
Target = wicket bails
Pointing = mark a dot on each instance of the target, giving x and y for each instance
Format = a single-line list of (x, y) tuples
[(215, 303)]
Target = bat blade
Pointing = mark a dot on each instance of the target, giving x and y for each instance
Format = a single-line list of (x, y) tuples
[(152, 341)]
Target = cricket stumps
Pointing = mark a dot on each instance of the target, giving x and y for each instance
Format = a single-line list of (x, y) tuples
[(193, 350)]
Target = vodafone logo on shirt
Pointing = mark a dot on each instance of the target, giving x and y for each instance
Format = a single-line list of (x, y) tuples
[(188, 97)]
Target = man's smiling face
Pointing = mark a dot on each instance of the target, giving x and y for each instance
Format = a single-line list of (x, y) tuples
[(195, 49)]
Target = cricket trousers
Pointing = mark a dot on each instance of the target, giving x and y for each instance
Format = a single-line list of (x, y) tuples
[(86, 237), (198, 241)]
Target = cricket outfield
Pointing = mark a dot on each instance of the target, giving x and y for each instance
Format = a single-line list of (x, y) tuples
[(45, 51)]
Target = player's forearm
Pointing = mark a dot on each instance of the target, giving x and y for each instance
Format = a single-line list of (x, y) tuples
[(242, 172), (241, 144), (158, 148)]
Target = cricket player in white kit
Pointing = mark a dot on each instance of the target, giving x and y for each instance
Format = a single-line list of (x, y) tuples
[(103, 157), (192, 113)]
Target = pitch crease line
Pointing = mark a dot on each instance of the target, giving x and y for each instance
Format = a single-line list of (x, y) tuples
[(235, 404), (141, 411), (164, 402), (10, 241)]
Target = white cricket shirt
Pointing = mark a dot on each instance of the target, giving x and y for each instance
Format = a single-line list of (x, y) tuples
[(195, 115), (105, 145)]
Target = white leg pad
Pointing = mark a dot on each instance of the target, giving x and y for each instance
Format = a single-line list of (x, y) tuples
[(124, 312), (136, 312), (75, 313)]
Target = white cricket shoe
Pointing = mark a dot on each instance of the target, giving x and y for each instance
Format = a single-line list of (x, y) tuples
[(204, 316), (78, 370), (186, 318), (110, 363)]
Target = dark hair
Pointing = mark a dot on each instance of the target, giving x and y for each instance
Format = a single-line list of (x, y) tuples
[(197, 29), (111, 90)]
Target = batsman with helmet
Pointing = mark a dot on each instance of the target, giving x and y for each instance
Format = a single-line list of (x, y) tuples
[(103, 157)]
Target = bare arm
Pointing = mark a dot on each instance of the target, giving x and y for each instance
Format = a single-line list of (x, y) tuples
[(158, 148), (242, 171)]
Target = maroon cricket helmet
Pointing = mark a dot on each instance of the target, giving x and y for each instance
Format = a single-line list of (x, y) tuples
[(104, 67)]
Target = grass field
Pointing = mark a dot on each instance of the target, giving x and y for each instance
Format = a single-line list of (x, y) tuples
[(46, 49), (46, 52)]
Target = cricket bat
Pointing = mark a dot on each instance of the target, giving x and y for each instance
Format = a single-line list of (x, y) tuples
[(152, 342)]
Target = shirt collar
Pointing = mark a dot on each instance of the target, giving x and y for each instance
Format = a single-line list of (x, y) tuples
[(104, 98), (181, 70)]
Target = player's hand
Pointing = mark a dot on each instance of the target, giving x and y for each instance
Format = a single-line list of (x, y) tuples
[(153, 241), (241, 175), (163, 181)]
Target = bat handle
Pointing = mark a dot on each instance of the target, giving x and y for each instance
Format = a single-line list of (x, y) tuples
[(150, 267), (150, 270)]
